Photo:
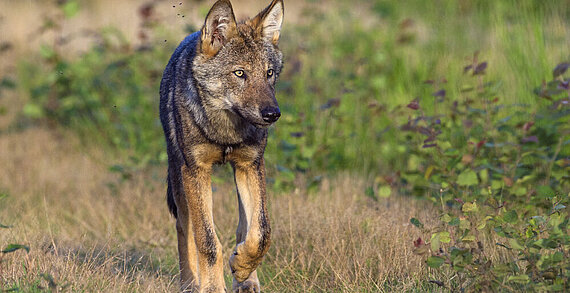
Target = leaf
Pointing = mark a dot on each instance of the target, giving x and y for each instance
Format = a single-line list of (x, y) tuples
[(445, 218), (384, 191), (419, 242), (468, 238), (416, 223), (435, 261), (521, 279), (435, 241), (70, 8), (544, 191), (4, 226), (469, 207), (557, 257), (560, 69), (464, 224), (454, 222), (480, 69), (511, 217), (519, 191), (33, 111), (559, 207), (467, 178), (428, 172), (414, 105), (515, 244), (444, 237), (14, 247), (421, 250), (484, 175), (370, 193), (545, 243), (483, 223), (502, 245)]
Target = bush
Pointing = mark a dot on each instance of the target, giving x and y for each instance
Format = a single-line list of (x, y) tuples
[(501, 174)]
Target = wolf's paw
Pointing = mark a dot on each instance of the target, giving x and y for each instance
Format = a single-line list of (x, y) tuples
[(247, 286)]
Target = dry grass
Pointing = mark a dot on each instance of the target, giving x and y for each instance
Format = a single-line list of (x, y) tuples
[(90, 231), (338, 240)]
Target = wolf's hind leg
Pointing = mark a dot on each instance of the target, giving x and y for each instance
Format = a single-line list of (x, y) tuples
[(186, 247), (253, 233), (188, 257)]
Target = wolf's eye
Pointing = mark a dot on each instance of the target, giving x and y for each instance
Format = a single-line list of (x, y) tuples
[(269, 72), (239, 73)]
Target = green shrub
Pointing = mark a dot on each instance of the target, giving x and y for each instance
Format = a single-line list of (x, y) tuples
[(501, 174)]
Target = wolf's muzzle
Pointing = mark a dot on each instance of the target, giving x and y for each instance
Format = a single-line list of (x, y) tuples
[(270, 114)]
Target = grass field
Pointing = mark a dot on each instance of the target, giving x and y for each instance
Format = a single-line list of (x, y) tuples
[(82, 156), (88, 232)]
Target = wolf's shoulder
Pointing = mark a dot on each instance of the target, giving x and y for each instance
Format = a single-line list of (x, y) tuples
[(186, 49), (189, 44), (180, 60)]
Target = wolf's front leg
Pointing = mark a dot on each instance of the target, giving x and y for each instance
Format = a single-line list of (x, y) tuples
[(198, 189), (253, 233)]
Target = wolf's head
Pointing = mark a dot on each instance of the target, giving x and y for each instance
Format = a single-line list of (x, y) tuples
[(237, 64)]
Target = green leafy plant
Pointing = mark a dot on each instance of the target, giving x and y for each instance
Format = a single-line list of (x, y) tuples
[(501, 176)]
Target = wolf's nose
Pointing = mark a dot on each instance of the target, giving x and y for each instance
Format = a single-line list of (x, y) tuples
[(270, 114)]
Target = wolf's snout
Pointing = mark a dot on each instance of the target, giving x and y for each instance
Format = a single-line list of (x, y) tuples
[(270, 114)]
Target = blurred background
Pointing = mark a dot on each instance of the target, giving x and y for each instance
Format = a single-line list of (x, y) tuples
[(95, 66), (386, 104)]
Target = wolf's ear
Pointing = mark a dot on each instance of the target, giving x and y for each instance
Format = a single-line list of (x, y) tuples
[(269, 21), (219, 27)]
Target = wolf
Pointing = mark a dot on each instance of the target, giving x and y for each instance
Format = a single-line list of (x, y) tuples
[(217, 100)]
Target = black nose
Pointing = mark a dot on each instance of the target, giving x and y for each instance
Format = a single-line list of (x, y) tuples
[(270, 114)]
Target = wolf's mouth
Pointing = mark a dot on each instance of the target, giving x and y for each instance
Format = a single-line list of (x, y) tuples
[(257, 122)]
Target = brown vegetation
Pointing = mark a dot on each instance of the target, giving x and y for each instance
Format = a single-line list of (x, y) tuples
[(89, 230)]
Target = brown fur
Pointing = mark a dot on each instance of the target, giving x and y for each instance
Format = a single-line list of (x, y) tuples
[(217, 100)]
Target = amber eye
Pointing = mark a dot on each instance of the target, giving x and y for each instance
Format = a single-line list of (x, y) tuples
[(269, 72), (239, 73)]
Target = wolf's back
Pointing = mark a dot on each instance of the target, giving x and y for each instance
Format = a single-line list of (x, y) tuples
[(176, 86), (177, 73)]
